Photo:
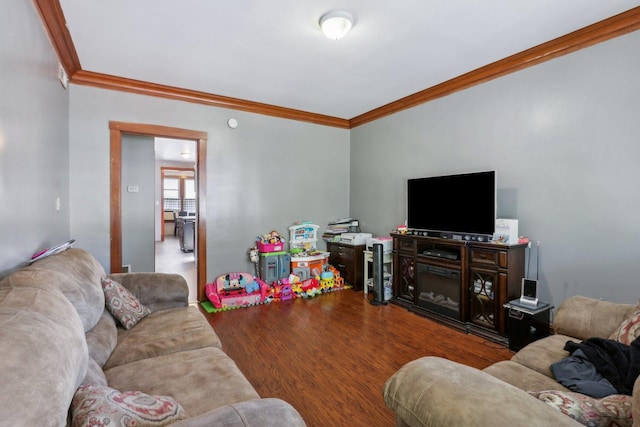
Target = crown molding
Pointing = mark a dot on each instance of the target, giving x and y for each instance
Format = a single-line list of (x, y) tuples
[(615, 26), (105, 81), (55, 24)]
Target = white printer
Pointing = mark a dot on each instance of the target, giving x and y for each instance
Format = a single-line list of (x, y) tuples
[(386, 242), (355, 238)]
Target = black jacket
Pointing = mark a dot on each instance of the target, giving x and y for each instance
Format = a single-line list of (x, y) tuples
[(617, 362)]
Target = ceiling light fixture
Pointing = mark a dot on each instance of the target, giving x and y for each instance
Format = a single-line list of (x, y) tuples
[(185, 154), (336, 24)]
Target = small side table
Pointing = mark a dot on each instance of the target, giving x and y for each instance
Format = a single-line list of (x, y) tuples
[(387, 265), (527, 324)]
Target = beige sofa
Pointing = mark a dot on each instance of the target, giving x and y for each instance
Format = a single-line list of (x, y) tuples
[(433, 391), (57, 339)]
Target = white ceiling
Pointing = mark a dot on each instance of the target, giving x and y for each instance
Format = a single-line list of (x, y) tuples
[(170, 150), (273, 51)]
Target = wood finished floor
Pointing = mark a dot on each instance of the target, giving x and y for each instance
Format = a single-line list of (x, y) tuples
[(329, 356)]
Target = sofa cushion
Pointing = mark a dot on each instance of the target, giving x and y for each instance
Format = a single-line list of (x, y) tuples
[(122, 304), (95, 374), (540, 354), (629, 329), (95, 405), (158, 291), (613, 410), (433, 391), (102, 339), (635, 407), (201, 379), (265, 412), (522, 377), (583, 317), (163, 332), (44, 355), (76, 274)]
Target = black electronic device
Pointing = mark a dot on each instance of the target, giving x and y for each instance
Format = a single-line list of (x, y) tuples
[(463, 204), (441, 253), (529, 294)]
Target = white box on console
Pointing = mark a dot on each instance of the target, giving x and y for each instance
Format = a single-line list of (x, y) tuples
[(506, 231)]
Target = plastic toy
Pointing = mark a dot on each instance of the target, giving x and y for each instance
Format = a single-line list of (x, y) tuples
[(279, 288), (293, 279), (326, 275), (286, 293), (236, 290), (252, 287), (327, 283), (307, 288)]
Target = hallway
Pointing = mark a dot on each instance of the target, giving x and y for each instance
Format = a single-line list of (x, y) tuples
[(170, 259)]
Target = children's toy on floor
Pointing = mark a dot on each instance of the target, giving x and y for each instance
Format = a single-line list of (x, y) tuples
[(235, 290), (306, 260), (338, 282), (326, 280)]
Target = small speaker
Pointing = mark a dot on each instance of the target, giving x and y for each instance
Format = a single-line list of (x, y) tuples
[(378, 275)]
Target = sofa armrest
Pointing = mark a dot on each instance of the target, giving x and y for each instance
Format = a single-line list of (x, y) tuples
[(433, 391), (157, 291), (251, 413), (583, 317), (635, 403)]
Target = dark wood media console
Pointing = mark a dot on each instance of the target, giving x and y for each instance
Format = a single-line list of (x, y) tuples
[(461, 283)]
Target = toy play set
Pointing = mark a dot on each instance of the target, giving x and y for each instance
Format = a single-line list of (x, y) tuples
[(235, 290), (302, 272)]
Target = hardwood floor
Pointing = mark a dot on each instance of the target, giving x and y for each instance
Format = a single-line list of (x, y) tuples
[(329, 356)]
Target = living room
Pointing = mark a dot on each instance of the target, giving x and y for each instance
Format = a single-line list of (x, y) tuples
[(561, 136)]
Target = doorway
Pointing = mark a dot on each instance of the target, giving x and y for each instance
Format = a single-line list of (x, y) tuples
[(176, 219), (178, 197), (117, 130)]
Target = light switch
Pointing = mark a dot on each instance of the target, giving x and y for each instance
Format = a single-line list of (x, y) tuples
[(132, 189)]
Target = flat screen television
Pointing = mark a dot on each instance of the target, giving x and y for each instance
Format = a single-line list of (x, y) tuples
[(459, 204)]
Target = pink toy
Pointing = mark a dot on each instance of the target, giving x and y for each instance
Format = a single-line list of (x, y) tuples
[(236, 290), (286, 293), (270, 242)]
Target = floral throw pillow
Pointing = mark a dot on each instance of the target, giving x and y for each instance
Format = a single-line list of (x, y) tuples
[(629, 329), (122, 304), (97, 406), (610, 411)]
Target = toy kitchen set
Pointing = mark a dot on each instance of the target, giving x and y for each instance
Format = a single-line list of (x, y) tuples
[(306, 260)]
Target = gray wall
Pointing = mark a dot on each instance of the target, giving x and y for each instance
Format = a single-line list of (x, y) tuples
[(138, 210), (264, 175), (34, 146), (564, 139)]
